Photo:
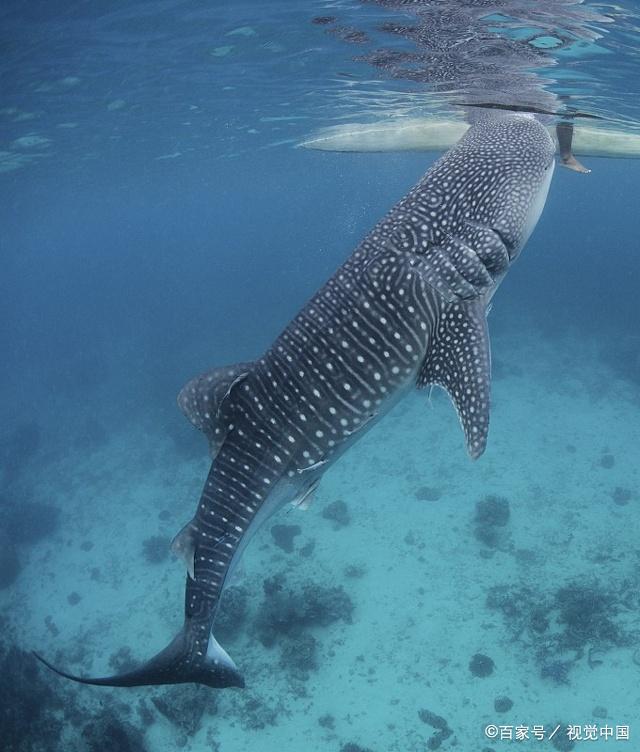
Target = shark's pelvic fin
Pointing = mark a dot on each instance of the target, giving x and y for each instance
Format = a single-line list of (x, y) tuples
[(184, 546), (185, 543), (202, 401), (460, 362)]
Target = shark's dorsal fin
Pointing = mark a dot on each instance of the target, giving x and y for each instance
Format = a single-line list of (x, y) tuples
[(459, 360), (185, 542), (202, 399)]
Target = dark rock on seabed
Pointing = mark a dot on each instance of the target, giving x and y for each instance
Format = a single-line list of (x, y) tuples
[(29, 707), (107, 731), (338, 513), (442, 730), (481, 665), (232, 613), (283, 536), (300, 655), (492, 510), (492, 514), (427, 493), (185, 705), (156, 549), (289, 612), (502, 704), (30, 521)]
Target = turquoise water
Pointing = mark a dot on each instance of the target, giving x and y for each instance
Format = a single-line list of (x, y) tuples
[(157, 220)]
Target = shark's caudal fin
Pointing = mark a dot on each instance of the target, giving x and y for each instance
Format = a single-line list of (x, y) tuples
[(176, 664), (194, 655)]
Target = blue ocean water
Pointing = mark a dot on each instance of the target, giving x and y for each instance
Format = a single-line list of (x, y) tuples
[(159, 219)]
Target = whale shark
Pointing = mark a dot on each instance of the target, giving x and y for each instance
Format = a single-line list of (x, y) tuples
[(407, 309)]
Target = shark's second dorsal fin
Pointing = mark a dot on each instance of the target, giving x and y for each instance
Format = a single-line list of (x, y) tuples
[(202, 398), (459, 360)]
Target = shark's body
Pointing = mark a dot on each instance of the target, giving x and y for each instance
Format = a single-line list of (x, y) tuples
[(407, 308)]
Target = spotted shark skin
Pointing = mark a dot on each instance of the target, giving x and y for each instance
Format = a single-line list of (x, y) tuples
[(407, 308)]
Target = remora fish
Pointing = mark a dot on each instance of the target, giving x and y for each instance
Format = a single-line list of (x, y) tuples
[(407, 308)]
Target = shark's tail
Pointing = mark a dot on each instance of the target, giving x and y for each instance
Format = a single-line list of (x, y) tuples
[(179, 663)]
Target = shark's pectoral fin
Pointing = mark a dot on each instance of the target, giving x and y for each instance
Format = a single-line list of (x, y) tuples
[(202, 401), (459, 360)]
